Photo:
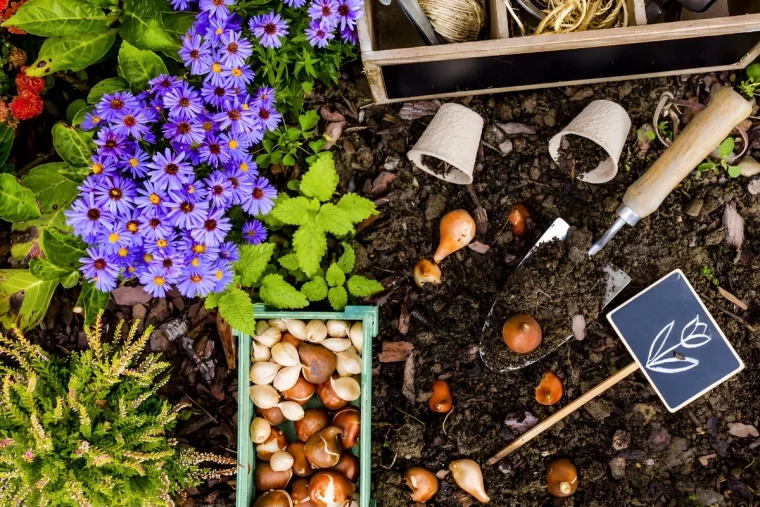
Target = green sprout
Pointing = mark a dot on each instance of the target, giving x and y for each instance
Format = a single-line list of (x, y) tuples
[(750, 86), (707, 273), (664, 129), (724, 151)]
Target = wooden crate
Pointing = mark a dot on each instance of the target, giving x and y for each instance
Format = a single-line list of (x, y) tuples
[(538, 61)]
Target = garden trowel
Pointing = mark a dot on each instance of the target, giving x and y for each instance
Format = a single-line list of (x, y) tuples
[(503, 360)]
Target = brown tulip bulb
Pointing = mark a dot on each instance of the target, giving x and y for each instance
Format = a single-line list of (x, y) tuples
[(323, 448), (550, 390), (425, 272), (278, 498), (314, 420), (518, 216), (277, 441), (319, 363), (329, 397), (423, 483), (457, 230), (348, 465), (301, 464), (299, 491), (329, 488), (562, 477), (349, 421), (274, 415), (441, 400), (264, 478), (301, 392), (287, 337), (521, 333)]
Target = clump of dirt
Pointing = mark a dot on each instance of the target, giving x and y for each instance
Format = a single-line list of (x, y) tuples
[(555, 282), (579, 155), (436, 165)]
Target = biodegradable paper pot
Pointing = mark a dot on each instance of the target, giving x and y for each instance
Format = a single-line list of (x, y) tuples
[(607, 124), (454, 137)]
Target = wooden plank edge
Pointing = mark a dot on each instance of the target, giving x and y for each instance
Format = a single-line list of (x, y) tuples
[(498, 19), (365, 29)]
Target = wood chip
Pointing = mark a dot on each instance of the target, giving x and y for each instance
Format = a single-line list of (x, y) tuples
[(742, 430), (441, 474), (479, 247), (391, 119), (381, 183), (394, 352), (481, 219), (419, 109), (333, 131), (229, 343), (407, 389), (735, 300), (330, 116), (404, 318), (733, 223), (514, 129), (704, 460)]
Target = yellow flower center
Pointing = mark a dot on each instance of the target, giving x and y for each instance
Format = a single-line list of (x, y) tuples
[(196, 278), (195, 262), (246, 107), (219, 31), (132, 226), (96, 120), (113, 237), (147, 257), (159, 280), (154, 198), (199, 248), (134, 162), (97, 168), (216, 68), (191, 189), (161, 243), (237, 72), (233, 144), (123, 251), (131, 269), (219, 274), (244, 167)]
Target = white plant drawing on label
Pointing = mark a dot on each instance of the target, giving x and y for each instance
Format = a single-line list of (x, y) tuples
[(665, 361)]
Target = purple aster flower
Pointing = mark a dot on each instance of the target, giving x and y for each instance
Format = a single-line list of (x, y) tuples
[(135, 162), (215, 76), (115, 241), (196, 54), (222, 271), (156, 225), (229, 251), (163, 84), (185, 213), (254, 232), (194, 191), (113, 104), (91, 121), (268, 117), (213, 230), (252, 136), (171, 261), (318, 35), (159, 244), (195, 249), (87, 218), (209, 125), (169, 170), (324, 11), (184, 103), (103, 166), (216, 95), (154, 281), (131, 123), (131, 224), (349, 35), (197, 282), (216, 8), (269, 28), (235, 116), (100, 267), (264, 96), (248, 166), (241, 185), (235, 50), (180, 5), (261, 199), (110, 143), (212, 152), (235, 143), (294, 3), (151, 199), (238, 77), (219, 190), (116, 194), (184, 131), (200, 25), (348, 12)]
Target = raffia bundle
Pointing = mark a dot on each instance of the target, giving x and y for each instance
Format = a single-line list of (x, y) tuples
[(563, 16), (455, 20)]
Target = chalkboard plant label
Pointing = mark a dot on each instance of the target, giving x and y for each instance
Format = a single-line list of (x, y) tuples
[(675, 341)]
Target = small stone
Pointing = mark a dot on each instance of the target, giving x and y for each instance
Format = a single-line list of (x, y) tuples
[(647, 411), (742, 430), (754, 185), (139, 311), (617, 468), (599, 409), (130, 296), (160, 312), (679, 454), (434, 207), (506, 147), (694, 207), (707, 496), (158, 341), (621, 440), (659, 440)]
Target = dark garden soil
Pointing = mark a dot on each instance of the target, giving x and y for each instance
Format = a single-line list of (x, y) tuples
[(579, 155), (657, 458)]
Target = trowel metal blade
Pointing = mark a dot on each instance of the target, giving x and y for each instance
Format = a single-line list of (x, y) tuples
[(616, 281)]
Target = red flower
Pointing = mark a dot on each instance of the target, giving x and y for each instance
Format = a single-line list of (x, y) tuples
[(24, 82), (3, 5), (27, 105)]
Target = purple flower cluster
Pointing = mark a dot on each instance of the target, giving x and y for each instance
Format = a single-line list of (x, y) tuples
[(329, 16), (143, 211)]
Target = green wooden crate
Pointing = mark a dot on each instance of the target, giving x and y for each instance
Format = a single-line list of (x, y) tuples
[(246, 455)]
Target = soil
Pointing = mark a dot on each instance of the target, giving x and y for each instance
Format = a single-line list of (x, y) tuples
[(579, 155), (436, 165)]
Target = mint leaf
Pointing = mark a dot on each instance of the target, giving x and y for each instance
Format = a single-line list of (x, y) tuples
[(358, 208), (212, 300), (338, 298), (7, 136), (253, 261), (143, 27), (726, 148), (315, 290), (734, 171), (295, 211), (334, 220), (275, 291), (17, 203), (348, 259), (361, 287), (71, 280), (289, 262), (310, 244), (335, 276), (236, 307), (321, 179)]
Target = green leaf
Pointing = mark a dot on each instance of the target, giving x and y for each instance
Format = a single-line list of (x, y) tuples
[(56, 219), (53, 191), (212, 300), (253, 261), (293, 134), (310, 244), (37, 295), (289, 262), (315, 290), (335, 276), (348, 259), (726, 148), (275, 291), (59, 18), (358, 208), (17, 203), (79, 117), (363, 287), (138, 66), (321, 179), (74, 108), (295, 211), (308, 120), (71, 280), (334, 219), (73, 53), (753, 72), (103, 3), (72, 146), (20, 251), (75, 174), (705, 166), (7, 135), (289, 160), (92, 300), (177, 24), (43, 269), (734, 171), (142, 26), (236, 307), (110, 85), (338, 298), (63, 250)]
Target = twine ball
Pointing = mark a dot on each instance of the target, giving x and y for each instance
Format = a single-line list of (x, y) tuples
[(455, 20)]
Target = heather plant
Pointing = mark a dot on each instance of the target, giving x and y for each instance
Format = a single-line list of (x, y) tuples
[(88, 429)]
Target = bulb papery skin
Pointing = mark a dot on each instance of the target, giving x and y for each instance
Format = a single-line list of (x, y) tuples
[(329, 488), (337, 328), (423, 483), (323, 448), (296, 327), (260, 430), (425, 272), (316, 331), (469, 477), (457, 229), (356, 333)]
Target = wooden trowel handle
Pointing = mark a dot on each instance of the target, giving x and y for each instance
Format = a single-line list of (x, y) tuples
[(702, 135)]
